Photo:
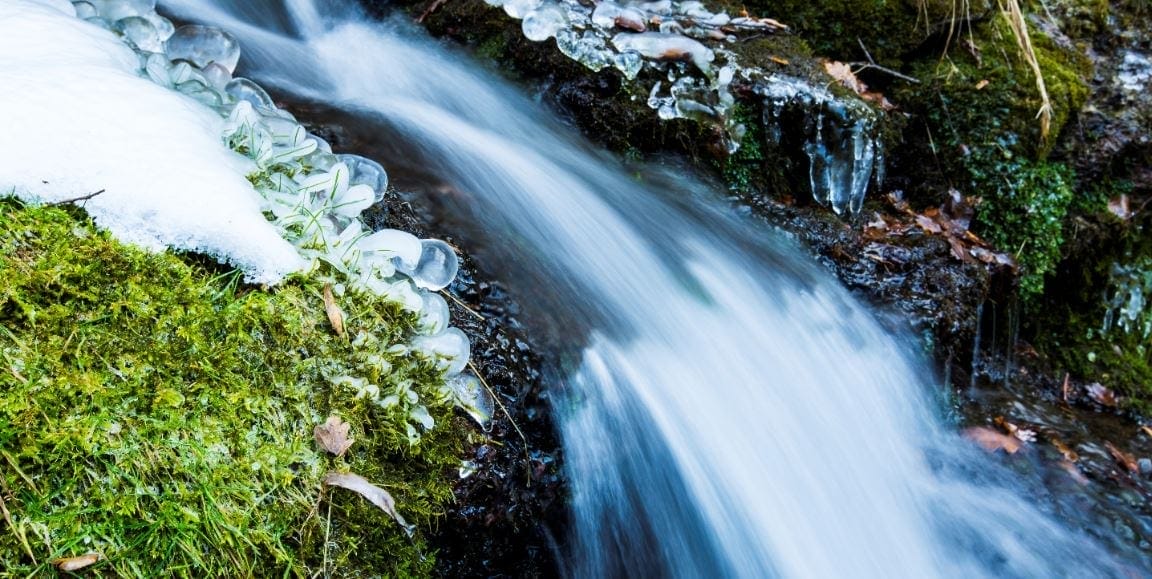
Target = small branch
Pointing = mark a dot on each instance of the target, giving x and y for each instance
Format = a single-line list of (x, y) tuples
[(872, 64), (866, 53), (75, 199), (884, 69), (431, 8)]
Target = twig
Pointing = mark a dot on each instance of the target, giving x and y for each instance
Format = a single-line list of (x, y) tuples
[(431, 8), (884, 69), (865, 49), (492, 393), (478, 315), (75, 199), (872, 64)]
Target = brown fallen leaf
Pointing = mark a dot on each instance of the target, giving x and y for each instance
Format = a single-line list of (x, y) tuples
[(780, 61), (335, 314), (980, 85), (1102, 394), (928, 224), (333, 435), (1069, 454), (991, 440), (843, 73), (77, 563), (375, 495), (1146, 430), (1122, 458), (1119, 207)]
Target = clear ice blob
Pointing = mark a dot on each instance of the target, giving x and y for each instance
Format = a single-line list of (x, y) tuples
[(243, 89), (140, 32), (85, 10), (544, 23), (661, 46), (471, 395), (434, 315), (404, 247), (437, 266), (588, 49), (217, 75), (201, 45), (605, 14), (629, 63), (520, 8), (450, 348), (113, 10), (164, 27), (366, 172)]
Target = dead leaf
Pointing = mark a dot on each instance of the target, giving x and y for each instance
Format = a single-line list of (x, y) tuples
[(780, 61), (77, 563), (1122, 458), (1102, 394), (335, 314), (980, 85), (991, 440), (375, 495), (1065, 390), (959, 251), (1069, 454), (333, 435), (1146, 430), (1119, 207), (843, 73), (928, 224)]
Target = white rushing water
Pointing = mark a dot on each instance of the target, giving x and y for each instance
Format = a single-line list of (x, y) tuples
[(732, 411)]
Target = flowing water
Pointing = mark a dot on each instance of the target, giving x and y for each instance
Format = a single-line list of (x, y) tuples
[(731, 411)]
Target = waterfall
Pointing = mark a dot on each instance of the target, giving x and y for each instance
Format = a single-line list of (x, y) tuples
[(732, 411)]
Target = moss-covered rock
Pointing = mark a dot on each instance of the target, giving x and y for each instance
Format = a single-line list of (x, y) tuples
[(156, 411)]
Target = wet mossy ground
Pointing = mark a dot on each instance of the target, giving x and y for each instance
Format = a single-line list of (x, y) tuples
[(157, 411)]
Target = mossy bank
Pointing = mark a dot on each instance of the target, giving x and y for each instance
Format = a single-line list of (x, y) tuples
[(156, 411)]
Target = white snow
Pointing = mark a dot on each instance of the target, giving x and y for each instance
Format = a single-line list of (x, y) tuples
[(75, 118)]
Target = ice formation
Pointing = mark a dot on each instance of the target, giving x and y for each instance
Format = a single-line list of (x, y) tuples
[(663, 36), (681, 43), (191, 158), (843, 153)]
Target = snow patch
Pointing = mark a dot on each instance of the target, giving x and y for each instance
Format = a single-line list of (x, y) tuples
[(78, 119)]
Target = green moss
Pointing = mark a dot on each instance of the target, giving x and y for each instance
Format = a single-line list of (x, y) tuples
[(744, 171), (889, 28), (980, 106), (1023, 210), (162, 414)]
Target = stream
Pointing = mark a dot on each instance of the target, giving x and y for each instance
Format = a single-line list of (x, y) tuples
[(726, 408)]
